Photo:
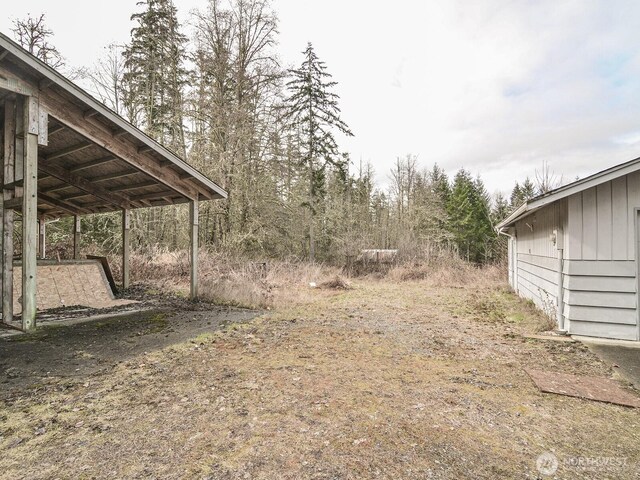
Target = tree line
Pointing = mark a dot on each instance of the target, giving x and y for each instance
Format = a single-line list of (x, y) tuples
[(215, 92)]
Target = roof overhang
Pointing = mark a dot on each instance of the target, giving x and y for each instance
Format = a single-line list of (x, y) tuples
[(99, 160), (565, 191)]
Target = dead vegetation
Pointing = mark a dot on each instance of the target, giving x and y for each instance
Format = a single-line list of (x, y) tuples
[(389, 379), (276, 283)]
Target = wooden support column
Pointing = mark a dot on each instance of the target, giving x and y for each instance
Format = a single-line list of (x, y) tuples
[(193, 216), (29, 212), (76, 237), (126, 219), (9, 135), (42, 236)]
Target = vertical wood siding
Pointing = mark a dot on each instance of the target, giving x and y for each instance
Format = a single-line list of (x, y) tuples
[(600, 297), (536, 259)]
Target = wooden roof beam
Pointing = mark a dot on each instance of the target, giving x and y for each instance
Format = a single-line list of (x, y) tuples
[(114, 176), (112, 198), (133, 186), (57, 188), (145, 149), (75, 196), (57, 129), (54, 202), (151, 196), (103, 136), (68, 151), (93, 163)]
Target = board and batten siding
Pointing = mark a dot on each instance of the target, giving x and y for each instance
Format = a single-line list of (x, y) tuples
[(600, 297), (535, 275)]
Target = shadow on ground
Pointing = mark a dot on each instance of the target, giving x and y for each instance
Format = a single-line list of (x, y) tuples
[(95, 346)]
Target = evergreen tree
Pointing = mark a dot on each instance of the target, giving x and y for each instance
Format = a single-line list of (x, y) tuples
[(155, 75), (440, 183), (522, 193), (500, 208), (469, 219), (515, 200), (528, 189), (312, 109)]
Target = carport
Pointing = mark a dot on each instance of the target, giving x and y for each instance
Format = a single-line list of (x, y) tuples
[(66, 154)]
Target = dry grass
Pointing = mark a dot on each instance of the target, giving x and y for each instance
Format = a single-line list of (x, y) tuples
[(390, 380), (267, 284)]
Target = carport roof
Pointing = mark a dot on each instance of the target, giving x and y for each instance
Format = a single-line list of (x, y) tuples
[(90, 159)]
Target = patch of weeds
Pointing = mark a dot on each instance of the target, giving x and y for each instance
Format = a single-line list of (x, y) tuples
[(157, 323), (205, 338), (489, 308)]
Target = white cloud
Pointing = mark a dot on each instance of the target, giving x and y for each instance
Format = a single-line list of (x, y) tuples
[(496, 86)]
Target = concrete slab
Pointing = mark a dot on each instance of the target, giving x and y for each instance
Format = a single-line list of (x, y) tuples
[(606, 341), (625, 360), (553, 338), (590, 388)]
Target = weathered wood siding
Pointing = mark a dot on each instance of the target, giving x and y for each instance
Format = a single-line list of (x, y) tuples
[(537, 256), (599, 268)]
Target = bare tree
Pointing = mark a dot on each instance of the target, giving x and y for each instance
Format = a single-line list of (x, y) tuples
[(546, 179), (105, 79), (33, 35)]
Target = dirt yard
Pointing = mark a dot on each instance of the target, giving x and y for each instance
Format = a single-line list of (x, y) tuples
[(396, 380)]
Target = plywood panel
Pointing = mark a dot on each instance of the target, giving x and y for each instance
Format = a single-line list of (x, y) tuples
[(574, 227), (619, 218), (604, 219), (589, 224)]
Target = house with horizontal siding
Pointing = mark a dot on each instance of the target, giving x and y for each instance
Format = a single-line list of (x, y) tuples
[(573, 251)]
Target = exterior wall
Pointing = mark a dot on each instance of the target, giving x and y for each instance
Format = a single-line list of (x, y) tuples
[(599, 242), (600, 266), (536, 256)]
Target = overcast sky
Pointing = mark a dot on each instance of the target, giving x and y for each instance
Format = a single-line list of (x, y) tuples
[(497, 87)]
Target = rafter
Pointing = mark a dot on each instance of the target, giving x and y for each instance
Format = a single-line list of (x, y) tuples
[(102, 136), (93, 163), (133, 186), (68, 151), (112, 198), (57, 129), (59, 204), (113, 176)]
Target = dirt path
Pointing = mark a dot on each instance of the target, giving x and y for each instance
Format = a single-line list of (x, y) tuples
[(386, 380)]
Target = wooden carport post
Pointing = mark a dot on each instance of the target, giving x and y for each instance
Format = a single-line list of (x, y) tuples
[(9, 153), (125, 247), (76, 237), (29, 212), (42, 238), (193, 220)]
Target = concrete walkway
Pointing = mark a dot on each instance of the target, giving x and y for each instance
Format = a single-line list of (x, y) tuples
[(623, 356)]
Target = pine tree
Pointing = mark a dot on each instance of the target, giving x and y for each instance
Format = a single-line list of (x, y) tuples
[(155, 76), (470, 221), (312, 109), (500, 208)]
